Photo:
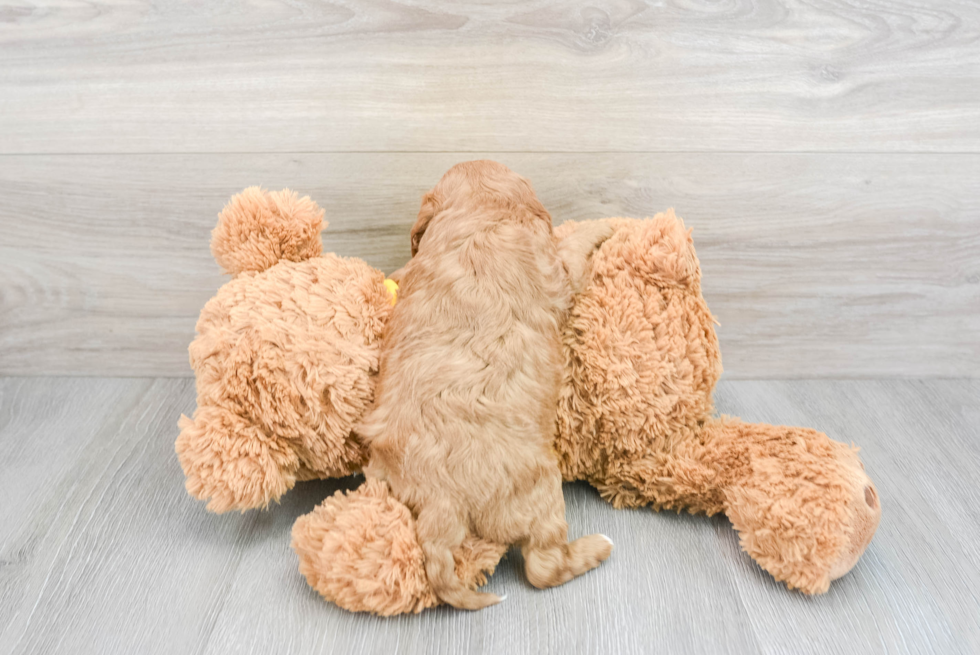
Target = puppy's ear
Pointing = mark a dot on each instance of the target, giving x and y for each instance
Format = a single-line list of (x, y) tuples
[(430, 205), (539, 211), (526, 195)]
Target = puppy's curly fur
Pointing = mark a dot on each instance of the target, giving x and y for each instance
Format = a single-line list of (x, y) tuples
[(464, 417)]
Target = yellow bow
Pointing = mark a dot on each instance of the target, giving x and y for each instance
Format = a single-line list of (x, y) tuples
[(392, 288)]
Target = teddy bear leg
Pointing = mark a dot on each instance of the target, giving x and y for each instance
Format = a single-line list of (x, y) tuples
[(680, 479), (360, 550), (233, 463), (802, 504)]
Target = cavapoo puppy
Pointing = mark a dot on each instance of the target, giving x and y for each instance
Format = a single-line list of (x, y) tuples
[(464, 413)]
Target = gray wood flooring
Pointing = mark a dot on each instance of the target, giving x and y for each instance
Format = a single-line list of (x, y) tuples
[(102, 551)]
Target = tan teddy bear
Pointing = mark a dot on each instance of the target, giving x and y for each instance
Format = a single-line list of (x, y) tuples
[(286, 357)]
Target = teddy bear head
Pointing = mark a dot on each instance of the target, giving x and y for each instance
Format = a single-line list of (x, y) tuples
[(285, 356)]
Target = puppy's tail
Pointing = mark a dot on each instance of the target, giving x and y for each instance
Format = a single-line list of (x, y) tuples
[(440, 532)]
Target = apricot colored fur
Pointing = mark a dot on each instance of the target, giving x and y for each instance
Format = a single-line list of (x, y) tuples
[(635, 417), (634, 412), (464, 419), (378, 563), (285, 361)]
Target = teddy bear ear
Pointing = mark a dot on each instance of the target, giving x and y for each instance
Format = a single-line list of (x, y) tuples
[(257, 229)]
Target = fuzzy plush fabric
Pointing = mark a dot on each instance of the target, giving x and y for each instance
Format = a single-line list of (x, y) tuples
[(635, 420), (359, 549), (258, 229), (802, 504), (285, 360), (641, 356), (635, 417)]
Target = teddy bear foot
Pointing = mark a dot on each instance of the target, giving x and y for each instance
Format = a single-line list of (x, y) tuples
[(864, 523), (803, 505), (359, 550)]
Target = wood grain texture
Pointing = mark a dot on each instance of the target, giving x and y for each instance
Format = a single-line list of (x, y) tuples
[(100, 557), (919, 444), (46, 427), (102, 551), (542, 75), (816, 265)]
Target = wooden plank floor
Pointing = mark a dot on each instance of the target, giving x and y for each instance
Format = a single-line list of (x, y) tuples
[(102, 551)]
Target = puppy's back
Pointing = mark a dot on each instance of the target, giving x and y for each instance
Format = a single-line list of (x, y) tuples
[(471, 362), (464, 417)]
